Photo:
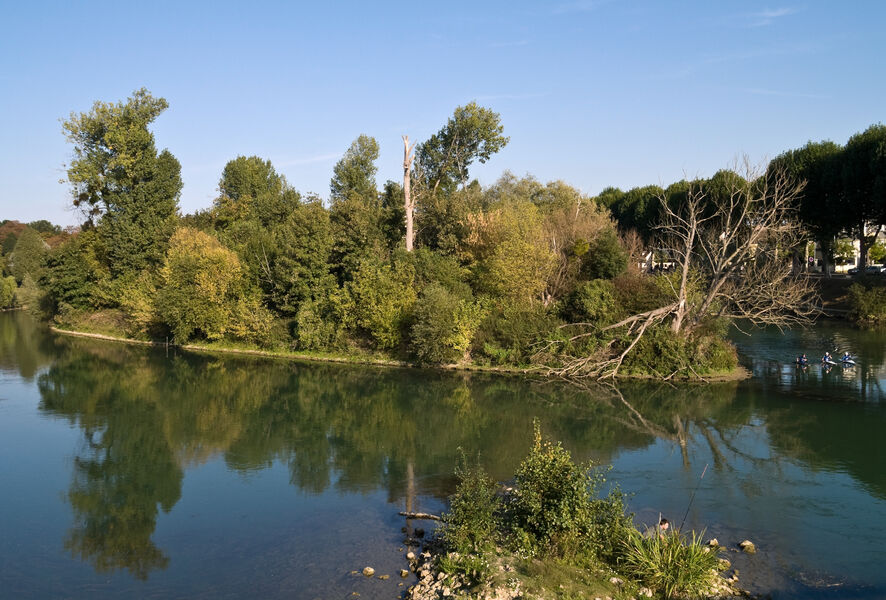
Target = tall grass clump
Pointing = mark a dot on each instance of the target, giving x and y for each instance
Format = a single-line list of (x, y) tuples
[(671, 564)]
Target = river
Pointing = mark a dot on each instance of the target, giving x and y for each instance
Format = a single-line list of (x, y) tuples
[(142, 472)]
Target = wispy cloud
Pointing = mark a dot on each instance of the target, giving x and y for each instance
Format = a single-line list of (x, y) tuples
[(768, 16), (736, 57), (768, 92)]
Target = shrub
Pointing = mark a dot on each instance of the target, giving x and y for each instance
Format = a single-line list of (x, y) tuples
[(605, 258), (313, 328), (471, 522), (867, 304), (510, 333), (443, 325), (551, 511), (7, 292), (671, 564), (594, 302), (378, 301), (204, 292)]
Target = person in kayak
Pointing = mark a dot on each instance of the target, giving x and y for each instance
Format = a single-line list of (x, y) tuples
[(846, 357), (802, 360), (827, 357)]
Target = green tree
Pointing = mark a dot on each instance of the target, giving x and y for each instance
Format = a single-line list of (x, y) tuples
[(75, 272), (354, 174), (356, 211), (250, 189), (472, 133), (443, 325), (863, 176), (204, 293), (28, 255), (120, 180), (7, 292), (378, 301), (816, 163)]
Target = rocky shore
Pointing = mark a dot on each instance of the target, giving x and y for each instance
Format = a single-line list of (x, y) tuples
[(434, 584)]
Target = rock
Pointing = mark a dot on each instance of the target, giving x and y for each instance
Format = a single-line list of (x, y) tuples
[(723, 564), (615, 581), (404, 573), (645, 591), (713, 543), (748, 547), (368, 571), (446, 592), (410, 556), (383, 577)]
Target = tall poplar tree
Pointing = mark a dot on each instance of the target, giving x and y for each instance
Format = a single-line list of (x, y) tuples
[(126, 187)]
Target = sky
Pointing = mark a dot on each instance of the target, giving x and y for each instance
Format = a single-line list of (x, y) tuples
[(592, 92)]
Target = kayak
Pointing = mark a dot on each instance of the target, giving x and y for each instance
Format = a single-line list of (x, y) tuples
[(828, 362), (848, 362)]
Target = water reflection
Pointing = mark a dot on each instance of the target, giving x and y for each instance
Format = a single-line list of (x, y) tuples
[(146, 417)]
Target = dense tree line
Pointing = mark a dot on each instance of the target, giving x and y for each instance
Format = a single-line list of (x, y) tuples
[(514, 273)]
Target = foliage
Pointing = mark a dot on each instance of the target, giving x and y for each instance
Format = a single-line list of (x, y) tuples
[(877, 253), (672, 564), (594, 301), (553, 510), (119, 179), (867, 303), (471, 523), (472, 133), (378, 301), (510, 256), (75, 272), (7, 292), (443, 325), (605, 258), (510, 332), (28, 255), (203, 291)]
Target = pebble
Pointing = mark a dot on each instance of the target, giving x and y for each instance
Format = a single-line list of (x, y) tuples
[(404, 573), (748, 547), (368, 571)]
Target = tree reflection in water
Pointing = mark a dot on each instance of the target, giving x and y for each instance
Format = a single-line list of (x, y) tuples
[(146, 417)]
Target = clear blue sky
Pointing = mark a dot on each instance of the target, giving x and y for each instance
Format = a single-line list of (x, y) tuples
[(593, 92)]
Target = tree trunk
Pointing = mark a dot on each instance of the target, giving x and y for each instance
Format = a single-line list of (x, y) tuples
[(409, 202)]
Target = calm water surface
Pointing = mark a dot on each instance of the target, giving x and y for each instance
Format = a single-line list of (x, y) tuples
[(133, 472)]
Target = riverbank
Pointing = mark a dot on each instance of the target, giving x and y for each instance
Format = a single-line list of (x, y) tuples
[(513, 577), (737, 374)]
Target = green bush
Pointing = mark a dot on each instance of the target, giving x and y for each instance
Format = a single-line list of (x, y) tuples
[(314, 328), (471, 522), (378, 301), (594, 302), (605, 258), (673, 565), (7, 292), (510, 334), (554, 510), (867, 304), (442, 325)]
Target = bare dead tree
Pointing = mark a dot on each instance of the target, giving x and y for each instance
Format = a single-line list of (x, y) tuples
[(732, 254), (408, 199)]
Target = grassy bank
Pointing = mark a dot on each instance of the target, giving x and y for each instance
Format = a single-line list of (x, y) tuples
[(111, 334)]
